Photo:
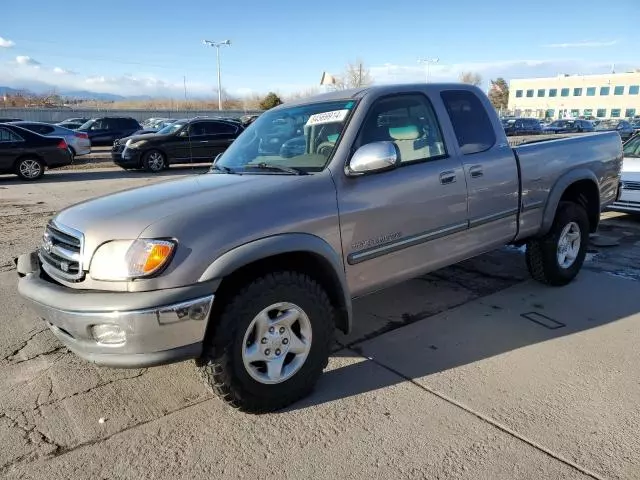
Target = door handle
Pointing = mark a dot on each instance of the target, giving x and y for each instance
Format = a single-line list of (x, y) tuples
[(447, 177), (476, 171)]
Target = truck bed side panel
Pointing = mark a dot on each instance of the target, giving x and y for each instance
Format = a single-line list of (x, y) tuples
[(545, 166)]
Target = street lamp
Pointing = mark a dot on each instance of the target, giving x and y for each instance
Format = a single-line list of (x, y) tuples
[(217, 45), (428, 62)]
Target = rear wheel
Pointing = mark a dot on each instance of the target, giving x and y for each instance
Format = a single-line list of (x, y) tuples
[(154, 161), (30, 168), (271, 343), (556, 258)]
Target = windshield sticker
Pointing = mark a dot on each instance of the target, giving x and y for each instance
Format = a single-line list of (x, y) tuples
[(327, 117)]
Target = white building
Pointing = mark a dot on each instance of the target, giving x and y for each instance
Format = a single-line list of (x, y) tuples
[(613, 95)]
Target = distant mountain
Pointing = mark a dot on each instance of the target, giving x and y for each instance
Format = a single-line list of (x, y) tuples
[(12, 91), (87, 95)]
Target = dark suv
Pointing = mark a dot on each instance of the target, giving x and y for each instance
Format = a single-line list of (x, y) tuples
[(522, 126), (104, 130), (184, 141)]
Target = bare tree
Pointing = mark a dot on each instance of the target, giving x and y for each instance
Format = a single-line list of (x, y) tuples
[(472, 78), (355, 75)]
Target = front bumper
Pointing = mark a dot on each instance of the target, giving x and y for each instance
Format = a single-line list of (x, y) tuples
[(159, 327), (128, 157)]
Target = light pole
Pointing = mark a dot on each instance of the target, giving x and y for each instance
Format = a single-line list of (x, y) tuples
[(218, 45), (428, 62)]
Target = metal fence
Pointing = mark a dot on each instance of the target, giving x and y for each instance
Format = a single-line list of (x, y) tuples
[(60, 114)]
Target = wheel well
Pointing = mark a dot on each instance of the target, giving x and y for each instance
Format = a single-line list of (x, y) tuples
[(28, 155), (308, 263), (585, 193)]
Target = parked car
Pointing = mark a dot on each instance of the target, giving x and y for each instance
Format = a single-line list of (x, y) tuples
[(104, 130), (79, 143), (184, 141), (629, 201), (522, 126), (636, 125), (623, 127), (28, 154), (569, 126), (156, 127), (251, 267), (73, 123)]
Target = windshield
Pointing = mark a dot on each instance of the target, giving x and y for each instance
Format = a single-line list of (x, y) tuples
[(171, 128), (607, 125), (87, 125), (301, 137), (632, 148)]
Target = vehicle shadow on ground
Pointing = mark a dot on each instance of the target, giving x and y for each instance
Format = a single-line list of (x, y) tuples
[(478, 330), (80, 175)]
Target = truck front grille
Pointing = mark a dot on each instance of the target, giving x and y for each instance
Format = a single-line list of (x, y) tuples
[(61, 252), (631, 185)]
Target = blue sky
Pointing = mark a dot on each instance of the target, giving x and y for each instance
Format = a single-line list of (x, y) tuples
[(136, 48)]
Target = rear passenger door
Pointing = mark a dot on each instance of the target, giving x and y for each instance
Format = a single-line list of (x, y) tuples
[(11, 147), (400, 223), (490, 169)]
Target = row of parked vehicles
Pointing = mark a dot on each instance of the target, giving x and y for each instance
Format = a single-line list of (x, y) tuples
[(28, 148), (534, 126)]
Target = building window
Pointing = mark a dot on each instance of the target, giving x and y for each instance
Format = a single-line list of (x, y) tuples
[(630, 112), (518, 93), (553, 92), (601, 113), (564, 92), (604, 91), (591, 92), (615, 113), (541, 92), (619, 90), (577, 92), (529, 93), (575, 112), (588, 112), (634, 89)]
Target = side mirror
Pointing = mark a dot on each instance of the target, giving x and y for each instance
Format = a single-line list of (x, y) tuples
[(373, 157)]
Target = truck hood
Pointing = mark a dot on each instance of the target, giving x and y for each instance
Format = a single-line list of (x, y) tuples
[(126, 214)]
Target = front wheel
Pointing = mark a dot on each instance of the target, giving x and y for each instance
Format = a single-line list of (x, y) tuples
[(271, 343), (556, 258), (154, 161)]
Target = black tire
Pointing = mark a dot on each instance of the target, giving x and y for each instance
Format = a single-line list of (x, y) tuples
[(30, 168), (221, 364), (154, 161), (542, 254)]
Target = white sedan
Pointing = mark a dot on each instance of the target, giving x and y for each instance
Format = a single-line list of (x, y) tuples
[(629, 201), (79, 143)]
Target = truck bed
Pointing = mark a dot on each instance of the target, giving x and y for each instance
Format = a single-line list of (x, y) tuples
[(545, 162)]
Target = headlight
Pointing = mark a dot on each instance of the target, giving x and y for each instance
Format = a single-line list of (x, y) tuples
[(138, 144), (128, 259)]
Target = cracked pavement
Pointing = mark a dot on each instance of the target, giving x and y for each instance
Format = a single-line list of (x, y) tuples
[(442, 377)]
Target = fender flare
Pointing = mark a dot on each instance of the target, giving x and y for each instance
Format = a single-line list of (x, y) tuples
[(263, 248), (558, 190)]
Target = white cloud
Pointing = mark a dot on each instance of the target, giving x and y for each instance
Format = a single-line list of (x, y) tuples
[(25, 60), (441, 72), (62, 71), (585, 44), (6, 43)]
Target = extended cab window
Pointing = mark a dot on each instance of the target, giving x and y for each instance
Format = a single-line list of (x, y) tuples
[(409, 122), (471, 123)]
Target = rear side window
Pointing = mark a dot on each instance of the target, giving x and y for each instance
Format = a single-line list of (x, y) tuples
[(130, 123), (41, 129), (221, 127), (8, 136), (471, 124)]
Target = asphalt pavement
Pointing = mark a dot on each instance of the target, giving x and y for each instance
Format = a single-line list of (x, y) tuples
[(470, 372)]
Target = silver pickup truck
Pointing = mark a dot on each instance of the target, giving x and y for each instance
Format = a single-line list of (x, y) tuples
[(249, 268)]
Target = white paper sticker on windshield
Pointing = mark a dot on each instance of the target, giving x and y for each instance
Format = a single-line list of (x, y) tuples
[(327, 117)]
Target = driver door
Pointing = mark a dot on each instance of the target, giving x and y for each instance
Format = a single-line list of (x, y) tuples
[(397, 224)]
